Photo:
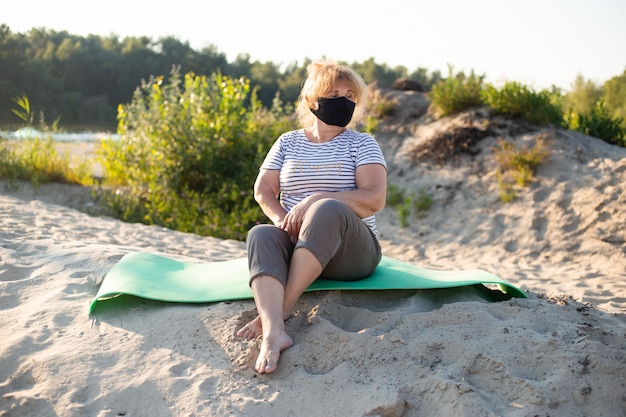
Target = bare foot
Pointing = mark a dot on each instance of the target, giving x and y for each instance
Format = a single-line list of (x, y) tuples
[(271, 347), (252, 330)]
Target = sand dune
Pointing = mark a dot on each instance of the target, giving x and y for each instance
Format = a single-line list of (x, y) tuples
[(561, 352)]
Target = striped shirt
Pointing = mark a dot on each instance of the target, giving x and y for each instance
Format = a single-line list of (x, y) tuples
[(308, 168)]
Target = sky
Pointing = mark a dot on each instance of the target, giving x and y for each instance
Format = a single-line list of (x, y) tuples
[(536, 42)]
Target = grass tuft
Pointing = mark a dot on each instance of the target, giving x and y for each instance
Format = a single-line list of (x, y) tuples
[(516, 165)]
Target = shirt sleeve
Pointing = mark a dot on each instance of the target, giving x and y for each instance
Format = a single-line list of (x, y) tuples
[(369, 152), (276, 156)]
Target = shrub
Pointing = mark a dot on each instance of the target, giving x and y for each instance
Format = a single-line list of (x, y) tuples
[(395, 195), (615, 97), (422, 203), (418, 202), (37, 160), (382, 108), (371, 125), (189, 153), (582, 96), (457, 93), (601, 124), (518, 100), (404, 210), (517, 165)]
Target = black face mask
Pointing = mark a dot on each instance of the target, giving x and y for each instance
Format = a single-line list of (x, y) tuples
[(335, 111)]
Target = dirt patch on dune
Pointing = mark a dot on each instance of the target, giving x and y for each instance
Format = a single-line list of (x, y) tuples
[(448, 145)]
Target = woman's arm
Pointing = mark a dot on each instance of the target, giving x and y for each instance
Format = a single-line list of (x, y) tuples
[(368, 198), (371, 190), (266, 190)]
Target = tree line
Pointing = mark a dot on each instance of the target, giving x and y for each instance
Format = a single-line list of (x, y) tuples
[(80, 81), (77, 82)]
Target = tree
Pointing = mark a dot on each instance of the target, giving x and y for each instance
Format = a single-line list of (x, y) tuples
[(583, 96), (615, 96)]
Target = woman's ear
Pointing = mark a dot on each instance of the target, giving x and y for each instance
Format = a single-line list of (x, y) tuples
[(313, 104)]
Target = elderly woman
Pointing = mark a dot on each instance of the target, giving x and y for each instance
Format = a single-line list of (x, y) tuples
[(320, 186)]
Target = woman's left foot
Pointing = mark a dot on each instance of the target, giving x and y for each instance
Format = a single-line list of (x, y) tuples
[(252, 330)]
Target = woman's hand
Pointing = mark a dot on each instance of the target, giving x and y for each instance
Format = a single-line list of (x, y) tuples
[(292, 222)]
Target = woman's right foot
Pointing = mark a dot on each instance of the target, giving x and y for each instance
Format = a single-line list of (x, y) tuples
[(271, 347)]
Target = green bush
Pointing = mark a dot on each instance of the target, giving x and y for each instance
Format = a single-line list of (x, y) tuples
[(38, 161), (457, 93), (382, 108), (601, 124), (584, 94), (371, 125), (615, 97), (404, 210), (189, 154), (517, 165), (518, 100), (395, 195), (422, 203)]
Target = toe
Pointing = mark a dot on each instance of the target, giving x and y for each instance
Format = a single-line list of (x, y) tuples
[(268, 363)]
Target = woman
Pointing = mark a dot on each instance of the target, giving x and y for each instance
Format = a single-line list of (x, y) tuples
[(330, 180)]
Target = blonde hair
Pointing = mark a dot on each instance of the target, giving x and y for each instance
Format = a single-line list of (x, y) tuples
[(322, 76)]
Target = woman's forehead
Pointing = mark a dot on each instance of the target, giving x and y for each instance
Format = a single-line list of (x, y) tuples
[(341, 85)]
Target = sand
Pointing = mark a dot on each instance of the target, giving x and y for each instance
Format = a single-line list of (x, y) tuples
[(561, 352)]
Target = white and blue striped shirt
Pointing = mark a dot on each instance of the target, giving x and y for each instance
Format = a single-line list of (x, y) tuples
[(308, 168)]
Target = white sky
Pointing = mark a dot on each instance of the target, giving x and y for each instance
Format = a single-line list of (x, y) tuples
[(536, 42)]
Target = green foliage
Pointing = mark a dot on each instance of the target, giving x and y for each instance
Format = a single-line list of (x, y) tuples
[(601, 124), (38, 161), (372, 71), (457, 93), (419, 203), (598, 111), (377, 108), (507, 189), (516, 165), (518, 100), (582, 97), (404, 211), (371, 124), (24, 112), (189, 153), (395, 195), (382, 108), (422, 203), (426, 80), (615, 97), (83, 79)]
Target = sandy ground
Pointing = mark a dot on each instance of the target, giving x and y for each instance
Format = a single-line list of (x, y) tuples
[(560, 352)]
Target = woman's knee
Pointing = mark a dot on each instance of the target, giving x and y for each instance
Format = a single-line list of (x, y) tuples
[(268, 236), (329, 204), (257, 231), (327, 211), (269, 252), (263, 232)]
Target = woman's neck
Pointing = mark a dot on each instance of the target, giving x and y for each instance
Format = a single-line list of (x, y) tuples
[(323, 133)]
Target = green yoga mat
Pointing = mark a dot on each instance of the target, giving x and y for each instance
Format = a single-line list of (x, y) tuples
[(160, 278)]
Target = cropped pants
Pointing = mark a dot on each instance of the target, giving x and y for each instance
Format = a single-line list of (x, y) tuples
[(344, 245)]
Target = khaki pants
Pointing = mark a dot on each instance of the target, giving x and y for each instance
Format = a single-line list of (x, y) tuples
[(345, 246)]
